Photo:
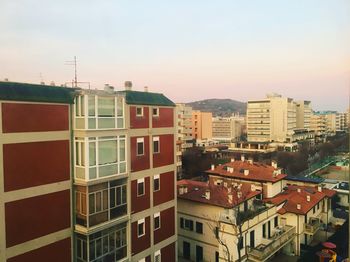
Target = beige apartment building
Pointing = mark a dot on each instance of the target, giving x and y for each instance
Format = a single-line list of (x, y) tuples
[(303, 114), (272, 119), (184, 138), (202, 125), (227, 129)]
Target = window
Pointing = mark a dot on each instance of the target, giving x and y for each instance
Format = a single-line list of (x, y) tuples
[(276, 221), (140, 146), (156, 183), (80, 106), (181, 222), (141, 227), (140, 187), (157, 256), (314, 209), (139, 111), (155, 111), (156, 148), (156, 221), (188, 224), (199, 227)]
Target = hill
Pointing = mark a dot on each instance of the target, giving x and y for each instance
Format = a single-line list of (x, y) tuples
[(220, 107)]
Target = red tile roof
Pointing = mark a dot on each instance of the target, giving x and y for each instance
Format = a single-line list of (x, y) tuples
[(291, 198), (257, 171), (218, 194)]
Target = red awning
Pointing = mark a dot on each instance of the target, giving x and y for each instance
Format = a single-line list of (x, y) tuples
[(329, 245)]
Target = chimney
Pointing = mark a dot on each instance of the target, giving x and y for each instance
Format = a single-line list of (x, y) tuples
[(308, 198), (319, 188), (213, 167), (298, 206), (230, 198), (231, 170), (246, 172), (207, 194), (6, 79), (242, 158), (52, 83), (146, 89), (181, 190), (252, 187), (239, 194), (128, 85), (42, 83), (274, 164), (250, 161), (298, 190), (232, 160)]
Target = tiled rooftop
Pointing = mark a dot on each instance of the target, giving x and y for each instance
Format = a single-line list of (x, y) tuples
[(219, 194), (257, 171), (294, 195)]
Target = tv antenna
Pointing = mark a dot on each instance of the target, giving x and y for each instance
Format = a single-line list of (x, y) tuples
[(73, 63)]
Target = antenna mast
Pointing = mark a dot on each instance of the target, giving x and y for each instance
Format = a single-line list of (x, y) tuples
[(74, 63)]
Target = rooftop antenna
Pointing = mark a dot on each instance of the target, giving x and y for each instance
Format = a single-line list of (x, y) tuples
[(73, 63)]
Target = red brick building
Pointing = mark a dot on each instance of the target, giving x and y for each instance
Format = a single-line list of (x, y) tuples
[(35, 173)]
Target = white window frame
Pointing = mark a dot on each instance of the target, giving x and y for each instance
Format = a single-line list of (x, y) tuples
[(156, 215), (156, 139), (140, 140), (139, 107), (155, 177), (139, 181), (141, 221), (157, 254), (155, 115)]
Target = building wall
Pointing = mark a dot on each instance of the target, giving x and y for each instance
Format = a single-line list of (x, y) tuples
[(162, 201), (35, 181)]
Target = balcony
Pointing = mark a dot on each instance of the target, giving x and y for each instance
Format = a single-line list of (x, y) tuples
[(262, 252), (312, 227)]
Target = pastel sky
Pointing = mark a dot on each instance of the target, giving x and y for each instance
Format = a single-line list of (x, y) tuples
[(187, 49)]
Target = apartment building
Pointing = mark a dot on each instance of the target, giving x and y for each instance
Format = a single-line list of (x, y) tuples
[(124, 176), (271, 120), (184, 126), (342, 122), (227, 129), (35, 173), (202, 125), (184, 138), (303, 114)]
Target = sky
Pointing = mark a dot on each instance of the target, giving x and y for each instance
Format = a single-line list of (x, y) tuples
[(187, 49)]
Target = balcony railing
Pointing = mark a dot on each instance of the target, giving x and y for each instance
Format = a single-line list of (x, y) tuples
[(312, 226), (265, 250)]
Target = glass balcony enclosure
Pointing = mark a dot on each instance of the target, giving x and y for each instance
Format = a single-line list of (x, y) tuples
[(100, 203), (99, 157), (95, 112), (107, 245)]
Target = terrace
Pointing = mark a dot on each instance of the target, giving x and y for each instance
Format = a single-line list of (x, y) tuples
[(282, 236)]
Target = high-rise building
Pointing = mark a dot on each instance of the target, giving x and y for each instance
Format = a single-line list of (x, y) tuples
[(202, 125), (35, 173), (271, 120), (227, 129), (303, 114), (184, 138)]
